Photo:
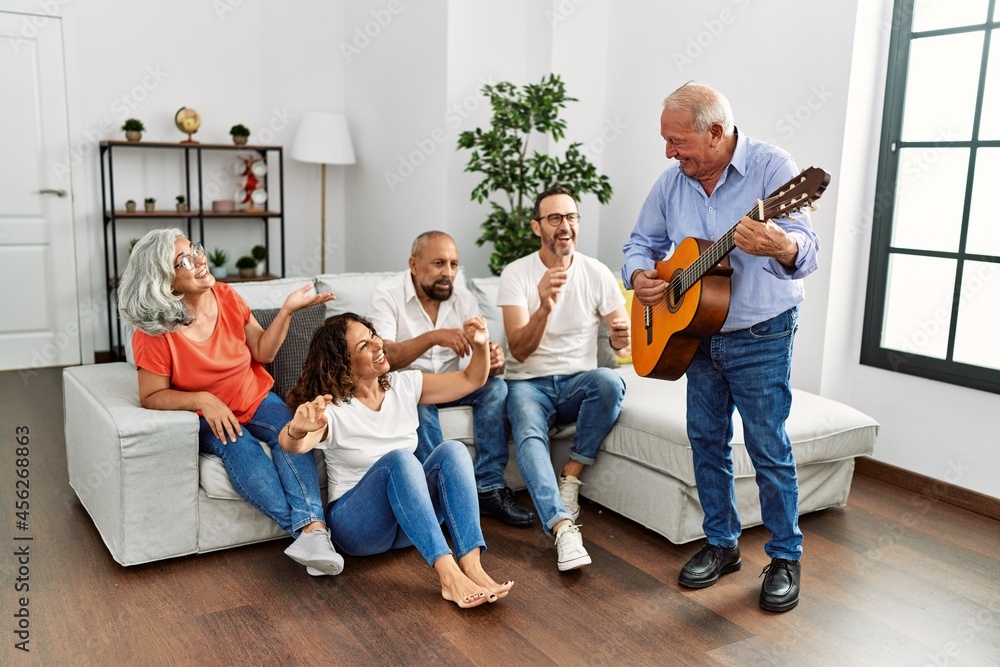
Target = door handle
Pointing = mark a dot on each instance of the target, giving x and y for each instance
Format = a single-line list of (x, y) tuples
[(58, 193)]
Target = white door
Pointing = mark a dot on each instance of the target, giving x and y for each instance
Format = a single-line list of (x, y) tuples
[(39, 313)]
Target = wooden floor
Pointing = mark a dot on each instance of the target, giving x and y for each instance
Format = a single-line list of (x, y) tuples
[(894, 578)]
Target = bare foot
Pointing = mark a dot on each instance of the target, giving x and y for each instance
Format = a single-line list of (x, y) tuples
[(458, 588), (477, 574)]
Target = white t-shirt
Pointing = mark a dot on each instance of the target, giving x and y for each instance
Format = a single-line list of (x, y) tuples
[(569, 345), (357, 437), (397, 315)]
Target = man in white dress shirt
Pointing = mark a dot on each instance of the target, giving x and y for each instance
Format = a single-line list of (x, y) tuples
[(419, 316)]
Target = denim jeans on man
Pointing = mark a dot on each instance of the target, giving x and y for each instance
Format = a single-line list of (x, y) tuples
[(748, 370), (401, 503), (489, 424), (284, 487), (592, 399)]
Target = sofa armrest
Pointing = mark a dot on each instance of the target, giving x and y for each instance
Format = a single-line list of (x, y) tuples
[(134, 470)]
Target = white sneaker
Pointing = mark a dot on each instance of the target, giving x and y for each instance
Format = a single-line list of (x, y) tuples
[(316, 552), (569, 492), (569, 548)]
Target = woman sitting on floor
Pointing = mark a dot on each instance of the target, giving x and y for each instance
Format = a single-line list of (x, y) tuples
[(199, 348), (381, 496)]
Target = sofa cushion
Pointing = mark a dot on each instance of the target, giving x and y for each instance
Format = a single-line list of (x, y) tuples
[(353, 290), (287, 364), (485, 291), (652, 429), (269, 293)]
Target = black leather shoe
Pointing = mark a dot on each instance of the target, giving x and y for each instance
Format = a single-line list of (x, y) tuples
[(500, 504), (780, 590), (706, 566)]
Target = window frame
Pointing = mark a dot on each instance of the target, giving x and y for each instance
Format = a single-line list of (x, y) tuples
[(872, 351)]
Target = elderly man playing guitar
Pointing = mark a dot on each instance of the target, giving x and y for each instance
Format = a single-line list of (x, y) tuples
[(740, 355)]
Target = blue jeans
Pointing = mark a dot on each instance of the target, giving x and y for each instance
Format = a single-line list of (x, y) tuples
[(284, 487), (748, 370), (592, 399), (401, 503), (489, 429)]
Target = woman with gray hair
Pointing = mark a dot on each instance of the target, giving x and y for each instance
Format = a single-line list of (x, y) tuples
[(198, 347)]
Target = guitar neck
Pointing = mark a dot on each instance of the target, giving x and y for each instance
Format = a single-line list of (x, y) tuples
[(715, 253)]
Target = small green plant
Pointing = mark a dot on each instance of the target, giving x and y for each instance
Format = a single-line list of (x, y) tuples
[(246, 262), (133, 125), (180, 199), (218, 257), (259, 253), (501, 155), (130, 202), (239, 131), (149, 200)]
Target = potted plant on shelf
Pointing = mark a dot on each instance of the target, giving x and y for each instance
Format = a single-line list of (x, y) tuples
[(240, 134), (259, 253), (130, 206), (150, 204), (181, 204), (218, 259), (500, 153), (133, 129), (247, 265)]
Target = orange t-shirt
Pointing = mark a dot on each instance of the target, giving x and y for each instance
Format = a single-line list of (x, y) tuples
[(220, 365)]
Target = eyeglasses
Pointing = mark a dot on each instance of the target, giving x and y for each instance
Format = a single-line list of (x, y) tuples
[(188, 260), (555, 219)]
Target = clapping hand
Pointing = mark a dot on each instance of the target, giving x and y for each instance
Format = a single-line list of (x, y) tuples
[(311, 416), (301, 298), (476, 332)]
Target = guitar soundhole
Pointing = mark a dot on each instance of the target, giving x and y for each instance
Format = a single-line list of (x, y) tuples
[(675, 294)]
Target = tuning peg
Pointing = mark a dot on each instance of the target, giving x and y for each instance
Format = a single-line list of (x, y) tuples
[(814, 207)]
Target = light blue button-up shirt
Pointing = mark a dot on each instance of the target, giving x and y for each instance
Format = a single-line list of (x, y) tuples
[(677, 207)]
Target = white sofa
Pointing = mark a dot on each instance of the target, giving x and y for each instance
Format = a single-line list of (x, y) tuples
[(152, 495)]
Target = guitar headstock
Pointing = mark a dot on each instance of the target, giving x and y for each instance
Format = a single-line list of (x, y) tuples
[(794, 195)]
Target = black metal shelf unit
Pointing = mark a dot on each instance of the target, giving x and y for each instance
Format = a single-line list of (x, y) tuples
[(197, 212)]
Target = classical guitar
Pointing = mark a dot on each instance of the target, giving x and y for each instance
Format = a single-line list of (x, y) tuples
[(666, 336)]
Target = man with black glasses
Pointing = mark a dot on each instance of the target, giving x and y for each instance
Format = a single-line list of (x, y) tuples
[(553, 302)]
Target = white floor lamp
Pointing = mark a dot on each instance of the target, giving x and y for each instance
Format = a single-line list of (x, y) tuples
[(323, 138)]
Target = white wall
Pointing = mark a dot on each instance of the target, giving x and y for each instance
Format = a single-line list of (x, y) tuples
[(945, 432), (234, 62), (808, 77)]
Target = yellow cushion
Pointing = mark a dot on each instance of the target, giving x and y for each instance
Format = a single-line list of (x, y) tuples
[(627, 293)]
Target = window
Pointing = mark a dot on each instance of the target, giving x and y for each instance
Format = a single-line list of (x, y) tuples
[(933, 306)]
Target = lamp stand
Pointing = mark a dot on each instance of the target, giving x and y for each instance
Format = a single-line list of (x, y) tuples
[(322, 232)]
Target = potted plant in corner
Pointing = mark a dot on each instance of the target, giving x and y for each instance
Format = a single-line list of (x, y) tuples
[(259, 253), (246, 264), (181, 204), (501, 154), (218, 258), (130, 206), (150, 204), (240, 134), (133, 129)]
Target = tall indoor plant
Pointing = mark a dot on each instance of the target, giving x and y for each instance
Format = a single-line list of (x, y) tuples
[(501, 154)]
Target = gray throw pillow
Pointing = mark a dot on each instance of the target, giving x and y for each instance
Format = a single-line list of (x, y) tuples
[(287, 364)]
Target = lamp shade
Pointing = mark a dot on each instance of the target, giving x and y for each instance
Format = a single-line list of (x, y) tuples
[(323, 138)]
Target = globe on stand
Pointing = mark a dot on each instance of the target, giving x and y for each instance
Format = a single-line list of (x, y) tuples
[(187, 120)]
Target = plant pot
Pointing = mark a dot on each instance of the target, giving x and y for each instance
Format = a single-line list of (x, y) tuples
[(240, 140), (150, 207), (218, 272), (181, 208), (130, 206), (248, 273), (133, 136)]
